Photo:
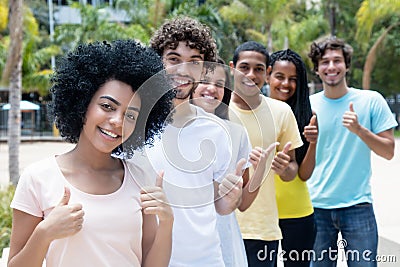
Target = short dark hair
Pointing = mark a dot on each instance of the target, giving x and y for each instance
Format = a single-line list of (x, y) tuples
[(317, 50), (299, 102), (86, 68), (250, 46), (185, 29)]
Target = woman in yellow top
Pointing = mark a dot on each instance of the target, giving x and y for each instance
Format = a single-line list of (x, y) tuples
[(288, 83)]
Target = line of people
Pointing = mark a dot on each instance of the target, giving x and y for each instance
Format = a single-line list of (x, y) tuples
[(177, 165)]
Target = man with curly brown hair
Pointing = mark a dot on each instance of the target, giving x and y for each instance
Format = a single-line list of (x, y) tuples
[(194, 149), (352, 123)]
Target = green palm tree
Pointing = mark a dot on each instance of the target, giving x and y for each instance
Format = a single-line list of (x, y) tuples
[(256, 18), (30, 71), (36, 68), (368, 15)]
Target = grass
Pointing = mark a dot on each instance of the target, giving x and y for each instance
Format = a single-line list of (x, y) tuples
[(397, 133), (6, 195)]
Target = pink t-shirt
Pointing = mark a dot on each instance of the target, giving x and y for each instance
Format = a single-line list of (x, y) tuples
[(112, 228)]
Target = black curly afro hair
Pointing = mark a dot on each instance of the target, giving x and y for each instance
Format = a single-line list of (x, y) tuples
[(185, 29), (86, 68)]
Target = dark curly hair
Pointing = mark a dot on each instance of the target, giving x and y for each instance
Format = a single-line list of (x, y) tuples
[(86, 68), (299, 102), (185, 29), (317, 50)]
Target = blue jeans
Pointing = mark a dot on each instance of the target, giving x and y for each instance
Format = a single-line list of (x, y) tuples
[(358, 227)]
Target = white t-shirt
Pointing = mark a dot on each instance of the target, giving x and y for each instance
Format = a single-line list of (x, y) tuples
[(193, 157), (112, 230), (233, 250)]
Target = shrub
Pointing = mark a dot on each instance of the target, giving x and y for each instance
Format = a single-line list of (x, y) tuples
[(6, 195)]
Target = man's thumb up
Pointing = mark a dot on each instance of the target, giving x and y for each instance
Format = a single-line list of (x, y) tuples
[(313, 121), (286, 148), (159, 179), (239, 167), (351, 107), (65, 199)]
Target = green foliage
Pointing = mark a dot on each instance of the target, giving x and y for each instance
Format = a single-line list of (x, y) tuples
[(236, 12), (138, 11), (36, 55), (95, 27), (370, 13), (6, 195), (3, 14), (385, 75), (397, 133), (3, 52)]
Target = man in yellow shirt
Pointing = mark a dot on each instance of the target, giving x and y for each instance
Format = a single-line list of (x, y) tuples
[(267, 121)]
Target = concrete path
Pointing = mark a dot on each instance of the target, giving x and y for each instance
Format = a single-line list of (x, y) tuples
[(29, 153), (385, 188)]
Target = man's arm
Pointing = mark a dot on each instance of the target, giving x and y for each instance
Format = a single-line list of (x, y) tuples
[(382, 143)]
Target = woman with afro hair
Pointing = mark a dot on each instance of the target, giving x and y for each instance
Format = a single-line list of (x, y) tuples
[(85, 207)]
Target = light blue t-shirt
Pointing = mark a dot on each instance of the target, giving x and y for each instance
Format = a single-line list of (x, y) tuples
[(341, 177)]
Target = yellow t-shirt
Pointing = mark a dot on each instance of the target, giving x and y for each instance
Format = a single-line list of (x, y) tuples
[(271, 121), (292, 198)]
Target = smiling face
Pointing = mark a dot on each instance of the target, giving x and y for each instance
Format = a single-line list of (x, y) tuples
[(111, 116), (282, 80), (250, 74), (184, 66), (332, 68), (210, 91)]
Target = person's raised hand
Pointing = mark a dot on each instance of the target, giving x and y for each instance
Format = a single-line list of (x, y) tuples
[(255, 156), (231, 185), (350, 119), (65, 219), (260, 165), (281, 160), (311, 130), (154, 201)]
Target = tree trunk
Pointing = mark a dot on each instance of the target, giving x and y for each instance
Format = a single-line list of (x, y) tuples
[(371, 58), (13, 73)]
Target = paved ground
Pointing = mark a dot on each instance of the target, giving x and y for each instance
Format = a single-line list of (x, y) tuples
[(385, 187)]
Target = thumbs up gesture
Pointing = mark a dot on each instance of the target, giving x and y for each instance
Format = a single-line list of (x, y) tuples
[(65, 219), (311, 130), (350, 119), (231, 186), (281, 160), (154, 201), (258, 158)]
